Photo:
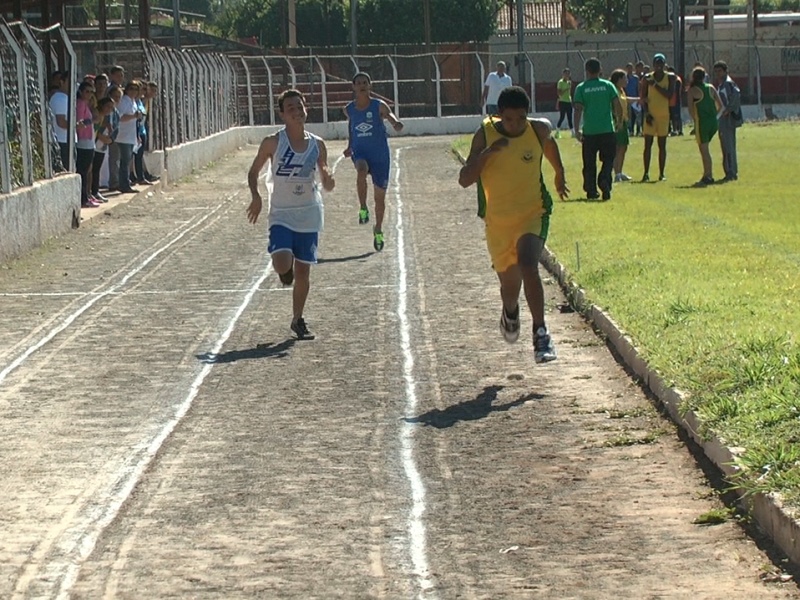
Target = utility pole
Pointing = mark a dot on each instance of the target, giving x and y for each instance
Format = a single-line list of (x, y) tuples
[(521, 42), (426, 19), (292, 24), (353, 36), (176, 23)]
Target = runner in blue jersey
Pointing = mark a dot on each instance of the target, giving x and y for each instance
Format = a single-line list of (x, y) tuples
[(368, 146)]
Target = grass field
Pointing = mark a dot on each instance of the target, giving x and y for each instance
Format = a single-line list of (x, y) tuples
[(706, 281)]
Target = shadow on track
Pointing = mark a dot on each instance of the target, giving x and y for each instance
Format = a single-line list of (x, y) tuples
[(471, 410), (268, 350)]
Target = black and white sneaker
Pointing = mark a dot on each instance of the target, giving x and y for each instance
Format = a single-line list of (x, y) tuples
[(543, 348), (301, 330), (509, 327)]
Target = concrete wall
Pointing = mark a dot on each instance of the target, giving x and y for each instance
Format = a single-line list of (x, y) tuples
[(32, 215)]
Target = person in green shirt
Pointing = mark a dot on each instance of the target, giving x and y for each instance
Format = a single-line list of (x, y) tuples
[(596, 101), (704, 104), (564, 101)]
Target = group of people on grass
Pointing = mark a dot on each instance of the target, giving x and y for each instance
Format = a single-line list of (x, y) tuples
[(111, 130)]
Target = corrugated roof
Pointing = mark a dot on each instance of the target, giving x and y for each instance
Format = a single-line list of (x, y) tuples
[(539, 16)]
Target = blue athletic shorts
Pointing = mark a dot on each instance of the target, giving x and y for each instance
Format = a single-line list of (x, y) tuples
[(302, 245), (378, 168)]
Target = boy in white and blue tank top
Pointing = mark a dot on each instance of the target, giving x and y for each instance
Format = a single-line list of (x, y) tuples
[(299, 163)]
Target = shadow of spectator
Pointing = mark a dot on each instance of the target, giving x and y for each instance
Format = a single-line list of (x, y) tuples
[(268, 350), (471, 410)]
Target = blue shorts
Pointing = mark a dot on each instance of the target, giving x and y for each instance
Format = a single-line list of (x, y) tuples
[(378, 166), (303, 246)]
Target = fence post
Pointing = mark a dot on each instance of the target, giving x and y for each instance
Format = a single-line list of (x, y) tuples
[(533, 84), (71, 117), (483, 79), (249, 93), (5, 151), (324, 86), (22, 92), (42, 100), (438, 87), (395, 86), (270, 98)]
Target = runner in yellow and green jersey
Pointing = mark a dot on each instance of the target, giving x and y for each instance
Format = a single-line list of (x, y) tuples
[(505, 160)]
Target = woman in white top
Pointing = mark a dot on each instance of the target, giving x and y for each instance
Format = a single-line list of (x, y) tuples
[(128, 135)]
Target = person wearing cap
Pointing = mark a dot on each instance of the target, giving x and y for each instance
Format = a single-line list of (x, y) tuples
[(657, 88)]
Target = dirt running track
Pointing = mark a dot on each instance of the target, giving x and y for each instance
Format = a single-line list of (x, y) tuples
[(163, 436)]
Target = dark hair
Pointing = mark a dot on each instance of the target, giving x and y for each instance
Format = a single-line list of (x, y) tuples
[(85, 85), (362, 74), (698, 76), (104, 101), (629, 66), (513, 97), (290, 93), (721, 64), (132, 86), (100, 77), (592, 66), (617, 74), (116, 69)]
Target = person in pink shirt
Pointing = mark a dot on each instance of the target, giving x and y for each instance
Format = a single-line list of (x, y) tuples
[(84, 129)]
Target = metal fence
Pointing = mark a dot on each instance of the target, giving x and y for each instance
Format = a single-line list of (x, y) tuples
[(28, 150), (202, 93)]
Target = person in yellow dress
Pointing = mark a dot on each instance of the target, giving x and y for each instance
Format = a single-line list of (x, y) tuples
[(505, 161), (657, 88)]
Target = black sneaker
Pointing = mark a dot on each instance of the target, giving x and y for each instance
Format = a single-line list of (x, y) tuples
[(509, 327), (288, 277), (301, 330), (543, 348)]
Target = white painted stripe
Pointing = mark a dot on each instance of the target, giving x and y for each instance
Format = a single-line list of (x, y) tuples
[(190, 292), (92, 301), (416, 525), (77, 544)]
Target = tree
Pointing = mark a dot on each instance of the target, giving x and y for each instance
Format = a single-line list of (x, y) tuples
[(401, 21), (601, 15)]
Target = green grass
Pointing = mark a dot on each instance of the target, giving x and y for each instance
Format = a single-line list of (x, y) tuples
[(706, 282)]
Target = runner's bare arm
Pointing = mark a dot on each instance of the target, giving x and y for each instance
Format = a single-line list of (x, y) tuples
[(325, 173), (386, 113), (349, 150), (543, 129), (478, 156), (265, 151)]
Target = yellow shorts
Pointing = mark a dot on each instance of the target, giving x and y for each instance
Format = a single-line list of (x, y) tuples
[(659, 128), (501, 241)]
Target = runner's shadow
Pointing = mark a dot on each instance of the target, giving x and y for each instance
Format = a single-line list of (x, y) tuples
[(344, 258), (268, 350), (471, 410)]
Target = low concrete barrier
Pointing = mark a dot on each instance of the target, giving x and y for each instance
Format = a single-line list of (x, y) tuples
[(32, 215)]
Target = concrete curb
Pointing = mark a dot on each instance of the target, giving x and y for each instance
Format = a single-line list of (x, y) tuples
[(766, 509)]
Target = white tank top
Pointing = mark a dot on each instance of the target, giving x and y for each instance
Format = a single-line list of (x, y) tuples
[(295, 200)]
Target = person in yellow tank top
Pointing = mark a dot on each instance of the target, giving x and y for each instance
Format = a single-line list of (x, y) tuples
[(657, 89), (505, 161)]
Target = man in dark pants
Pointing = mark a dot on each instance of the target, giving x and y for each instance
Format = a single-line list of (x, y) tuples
[(596, 101)]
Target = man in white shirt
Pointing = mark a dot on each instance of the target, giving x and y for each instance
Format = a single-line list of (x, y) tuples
[(59, 107), (495, 83)]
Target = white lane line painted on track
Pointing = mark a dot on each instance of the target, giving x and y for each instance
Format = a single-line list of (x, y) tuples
[(416, 525), (79, 541), (361, 286), (92, 301)]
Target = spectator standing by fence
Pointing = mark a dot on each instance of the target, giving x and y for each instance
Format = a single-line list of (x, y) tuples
[(84, 127), (564, 90), (631, 91), (703, 104), (495, 83), (59, 108), (102, 129), (127, 136)]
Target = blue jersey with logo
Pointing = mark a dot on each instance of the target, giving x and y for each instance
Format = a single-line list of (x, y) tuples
[(367, 131)]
